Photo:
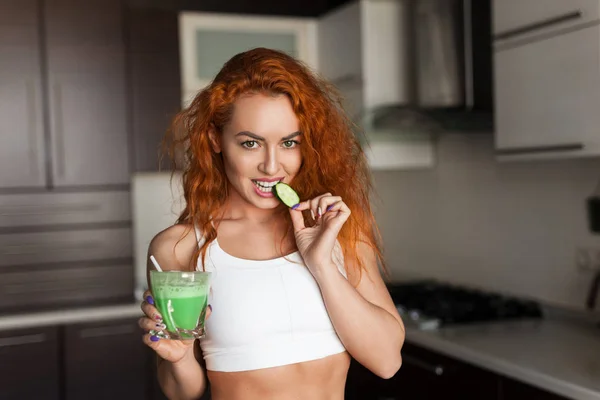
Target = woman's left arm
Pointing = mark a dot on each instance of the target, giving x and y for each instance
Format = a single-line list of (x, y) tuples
[(365, 318), (363, 313)]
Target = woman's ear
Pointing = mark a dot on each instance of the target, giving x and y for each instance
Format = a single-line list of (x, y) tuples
[(215, 140)]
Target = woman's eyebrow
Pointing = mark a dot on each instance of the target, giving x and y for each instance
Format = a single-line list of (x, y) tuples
[(250, 134), (291, 136), (257, 137)]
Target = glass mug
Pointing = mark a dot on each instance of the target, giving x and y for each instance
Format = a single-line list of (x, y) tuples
[(181, 297)]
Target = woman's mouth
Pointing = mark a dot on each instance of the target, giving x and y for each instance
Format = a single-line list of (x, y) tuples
[(265, 188)]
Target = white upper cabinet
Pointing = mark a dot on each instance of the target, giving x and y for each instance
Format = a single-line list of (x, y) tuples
[(363, 47), (363, 51), (522, 18), (208, 40), (547, 78)]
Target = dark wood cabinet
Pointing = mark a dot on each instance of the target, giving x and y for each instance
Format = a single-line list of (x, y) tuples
[(424, 375), (514, 390), (155, 87), (22, 160), (63, 98), (86, 84), (428, 375), (106, 360), (30, 364)]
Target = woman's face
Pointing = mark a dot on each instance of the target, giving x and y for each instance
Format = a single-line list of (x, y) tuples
[(260, 147)]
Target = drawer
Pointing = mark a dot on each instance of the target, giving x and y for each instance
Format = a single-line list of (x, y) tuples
[(64, 246), (84, 284), (30, 367), (524, 19), (44, 209), (109, 351)]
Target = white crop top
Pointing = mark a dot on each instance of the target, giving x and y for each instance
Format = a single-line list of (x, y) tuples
[(265, 313)]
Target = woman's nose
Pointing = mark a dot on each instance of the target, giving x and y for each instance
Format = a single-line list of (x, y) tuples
[(270, 164)]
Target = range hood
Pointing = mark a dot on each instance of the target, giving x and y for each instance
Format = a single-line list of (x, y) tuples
[(449, 72)]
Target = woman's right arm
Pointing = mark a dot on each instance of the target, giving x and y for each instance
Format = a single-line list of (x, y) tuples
[(184, 379), (180, 373)]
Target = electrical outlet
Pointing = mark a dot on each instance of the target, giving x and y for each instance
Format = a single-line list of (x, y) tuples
[(587, 258)]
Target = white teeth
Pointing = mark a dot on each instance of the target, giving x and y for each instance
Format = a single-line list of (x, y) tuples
[(265, 185)]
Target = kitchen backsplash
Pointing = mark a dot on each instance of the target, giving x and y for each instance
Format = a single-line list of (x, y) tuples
[(507, 226)]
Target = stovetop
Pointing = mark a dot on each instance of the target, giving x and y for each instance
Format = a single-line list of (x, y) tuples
[(429, 304)]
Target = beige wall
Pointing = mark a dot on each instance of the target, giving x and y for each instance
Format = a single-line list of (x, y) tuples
[(511, 227)]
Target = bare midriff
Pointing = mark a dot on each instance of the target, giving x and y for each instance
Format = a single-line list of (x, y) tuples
[(322, 379)]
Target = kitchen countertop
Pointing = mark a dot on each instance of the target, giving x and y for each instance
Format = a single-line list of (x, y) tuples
[(557, 356), (70, 316)]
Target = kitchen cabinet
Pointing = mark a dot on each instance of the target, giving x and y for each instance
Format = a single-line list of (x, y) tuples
[(64, 135), (87, 92), (22, 158), (93, 360), (106, 360), (208, 40), (63, 102), (514, 390), (353, 40), (426, 374), (341, 53), (546, 80), (30, 364), (60, 285), (155, 88), (521, 19)]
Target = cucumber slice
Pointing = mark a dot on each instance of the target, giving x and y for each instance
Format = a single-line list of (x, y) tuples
[(286, 194)]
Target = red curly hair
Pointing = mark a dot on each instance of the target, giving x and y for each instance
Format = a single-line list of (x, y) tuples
[(332, 157)]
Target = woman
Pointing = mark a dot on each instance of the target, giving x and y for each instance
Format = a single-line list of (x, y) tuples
[(296, 291)]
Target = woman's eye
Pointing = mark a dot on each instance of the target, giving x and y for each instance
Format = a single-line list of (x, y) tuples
[(289, 144), (250, 144)]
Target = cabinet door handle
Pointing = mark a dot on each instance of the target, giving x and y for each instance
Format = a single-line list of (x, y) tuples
[(59, 134), (350, 80), (27, 210), (21, 340), (436, 369), (32, 127), (51, 247), (559, 19), (106, 331), (540, 149)]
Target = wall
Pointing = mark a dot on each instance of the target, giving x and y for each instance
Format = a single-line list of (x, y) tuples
[(511, 227)]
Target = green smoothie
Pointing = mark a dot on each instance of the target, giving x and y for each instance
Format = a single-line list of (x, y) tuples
[(181, 299)]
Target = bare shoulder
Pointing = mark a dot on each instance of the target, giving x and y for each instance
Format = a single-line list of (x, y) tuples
[(174, 247)]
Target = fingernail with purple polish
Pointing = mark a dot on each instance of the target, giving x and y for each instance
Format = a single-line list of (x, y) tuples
[(154, 338), (329, 208), (149, 300), (209, 306), (295, 206)]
